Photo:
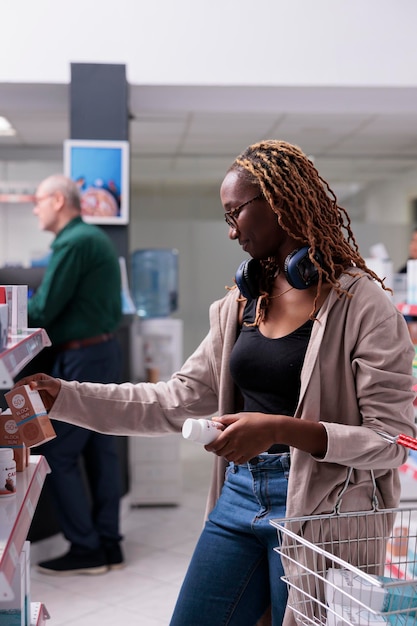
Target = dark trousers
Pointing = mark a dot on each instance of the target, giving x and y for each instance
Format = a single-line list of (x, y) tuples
[(85, 477)]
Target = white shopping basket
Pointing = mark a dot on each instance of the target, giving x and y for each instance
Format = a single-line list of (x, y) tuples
[(351, 568)]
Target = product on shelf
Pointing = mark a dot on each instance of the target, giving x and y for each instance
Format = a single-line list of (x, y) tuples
[(7, 472), (17, 301), (10, 437), (30, 414), (4, 319)]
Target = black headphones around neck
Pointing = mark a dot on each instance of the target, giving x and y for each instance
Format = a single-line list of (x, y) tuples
[(299, 271)]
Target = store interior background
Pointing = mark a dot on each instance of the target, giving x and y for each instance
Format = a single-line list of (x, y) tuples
[(336, 78), (206, 79)]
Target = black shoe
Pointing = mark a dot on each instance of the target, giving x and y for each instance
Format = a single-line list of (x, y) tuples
[(76, 561), (114, 554)]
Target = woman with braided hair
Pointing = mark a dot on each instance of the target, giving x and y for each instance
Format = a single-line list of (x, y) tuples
[(306, 359)]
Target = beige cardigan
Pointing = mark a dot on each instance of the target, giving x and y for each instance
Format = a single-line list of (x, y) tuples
[(356, 379)]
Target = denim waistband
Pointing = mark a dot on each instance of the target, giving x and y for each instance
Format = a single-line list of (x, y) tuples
[(284, 459)]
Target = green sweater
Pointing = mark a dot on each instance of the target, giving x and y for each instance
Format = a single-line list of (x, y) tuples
[(80, 295)]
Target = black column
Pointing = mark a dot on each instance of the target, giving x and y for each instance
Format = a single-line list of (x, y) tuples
[(99, 110)]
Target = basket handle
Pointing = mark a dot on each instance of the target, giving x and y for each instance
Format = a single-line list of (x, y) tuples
[(375, 503)]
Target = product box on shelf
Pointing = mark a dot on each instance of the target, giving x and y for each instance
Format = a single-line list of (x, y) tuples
[(26, 557), (17, 301), (30, 414), (402, 553), (4, 319), (10, 437), (13, 612), (412, 281), (39, 614)]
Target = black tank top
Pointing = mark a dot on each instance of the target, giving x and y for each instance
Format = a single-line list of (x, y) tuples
[(267, 371)]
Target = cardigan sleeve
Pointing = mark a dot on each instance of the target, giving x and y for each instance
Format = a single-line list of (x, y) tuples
[(145, 408)]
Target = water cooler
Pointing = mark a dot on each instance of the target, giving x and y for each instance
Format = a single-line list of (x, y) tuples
[(157, 339)]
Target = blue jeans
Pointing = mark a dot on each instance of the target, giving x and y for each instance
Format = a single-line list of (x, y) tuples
[(235, 574)]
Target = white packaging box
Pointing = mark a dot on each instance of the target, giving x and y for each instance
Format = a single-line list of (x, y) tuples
[(17, 300), (4, 325), (348, 589), (26, 553), (38, 614), (342, 615), (383, 267), (12, 612), (412, 281)]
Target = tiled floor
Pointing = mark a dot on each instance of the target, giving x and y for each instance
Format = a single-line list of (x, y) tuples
[(158, 543)]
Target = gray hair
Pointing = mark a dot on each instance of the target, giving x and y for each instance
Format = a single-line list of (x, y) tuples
[(66, 186)]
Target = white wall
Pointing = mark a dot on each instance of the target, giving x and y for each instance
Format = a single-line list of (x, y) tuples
[(388, 202), (223, 42), (387, 215)]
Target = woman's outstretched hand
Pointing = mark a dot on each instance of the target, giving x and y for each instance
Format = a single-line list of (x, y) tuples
[(47, 386)]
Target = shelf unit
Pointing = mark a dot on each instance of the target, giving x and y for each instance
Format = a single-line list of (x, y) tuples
[(16, 512), (19, 352), (407, 309), (38, 614)]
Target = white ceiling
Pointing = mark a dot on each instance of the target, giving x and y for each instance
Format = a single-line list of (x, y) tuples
[(190, 135)]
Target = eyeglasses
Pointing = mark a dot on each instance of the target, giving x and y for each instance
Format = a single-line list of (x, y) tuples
[(37, 201), (232, 215)]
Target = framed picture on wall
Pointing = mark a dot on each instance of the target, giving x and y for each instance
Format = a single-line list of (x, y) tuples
[(101, 170)]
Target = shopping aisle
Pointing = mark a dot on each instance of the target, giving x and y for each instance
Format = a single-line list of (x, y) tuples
[(158, 543)]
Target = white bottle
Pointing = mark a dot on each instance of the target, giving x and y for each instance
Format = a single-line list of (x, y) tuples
[(201, 430), (7, 472)]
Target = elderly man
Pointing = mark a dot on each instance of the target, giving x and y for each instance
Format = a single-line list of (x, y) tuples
[(79, 305)]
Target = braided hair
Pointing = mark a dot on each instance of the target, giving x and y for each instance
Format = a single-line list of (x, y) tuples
[(306, 209)]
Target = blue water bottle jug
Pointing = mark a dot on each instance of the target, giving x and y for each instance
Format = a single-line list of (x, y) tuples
[(155, 282)]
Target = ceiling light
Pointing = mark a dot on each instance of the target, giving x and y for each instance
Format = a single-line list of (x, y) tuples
[(6, 129)]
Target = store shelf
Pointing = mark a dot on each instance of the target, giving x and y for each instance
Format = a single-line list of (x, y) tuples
[(407, 309), (38, 614), (16, 513), (19, 352)]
